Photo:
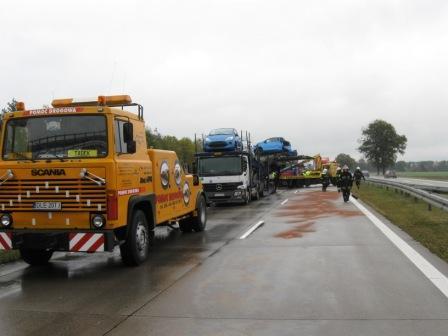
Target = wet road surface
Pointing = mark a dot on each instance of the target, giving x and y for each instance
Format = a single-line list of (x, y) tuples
[(316, 267)]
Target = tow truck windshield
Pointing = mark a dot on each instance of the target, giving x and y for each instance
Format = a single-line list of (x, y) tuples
[(55, 137), (220, 166)]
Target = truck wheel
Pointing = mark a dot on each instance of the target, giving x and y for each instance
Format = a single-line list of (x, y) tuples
[(247, 198), (195, 223), (261, 189), (257, 193), (36, 257), (136, 248)]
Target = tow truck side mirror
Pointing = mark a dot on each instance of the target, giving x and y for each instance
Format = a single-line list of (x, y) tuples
[(128, 137), (195, 180), (128, 132)]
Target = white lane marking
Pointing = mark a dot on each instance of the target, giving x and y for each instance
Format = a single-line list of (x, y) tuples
[(432, 273), (284, 202), (252, 229)]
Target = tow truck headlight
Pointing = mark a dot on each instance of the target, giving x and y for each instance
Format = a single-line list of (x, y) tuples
[(237, 193), (98, 221), (241, 187), (6, 220)]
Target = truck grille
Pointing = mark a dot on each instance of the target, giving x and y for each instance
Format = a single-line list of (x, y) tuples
[(216, 187), (74, 194)]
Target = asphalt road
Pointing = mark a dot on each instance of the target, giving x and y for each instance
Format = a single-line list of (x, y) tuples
[(317, 267)]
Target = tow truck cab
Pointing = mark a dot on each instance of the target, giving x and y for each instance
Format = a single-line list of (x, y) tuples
[(78, 177)]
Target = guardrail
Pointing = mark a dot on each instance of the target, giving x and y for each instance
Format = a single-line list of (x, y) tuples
[(432, 200), (423, 186)]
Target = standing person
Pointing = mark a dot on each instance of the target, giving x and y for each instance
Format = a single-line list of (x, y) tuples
[(358, 175), (338, 176), (346, 182), (325, 179)]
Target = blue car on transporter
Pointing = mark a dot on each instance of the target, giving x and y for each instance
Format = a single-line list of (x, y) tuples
[(275, 145), (223, 139)]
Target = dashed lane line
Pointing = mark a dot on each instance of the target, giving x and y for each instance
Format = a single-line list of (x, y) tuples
[(252, 229)]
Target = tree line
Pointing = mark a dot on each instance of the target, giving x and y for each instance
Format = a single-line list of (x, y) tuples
[(184, 147)]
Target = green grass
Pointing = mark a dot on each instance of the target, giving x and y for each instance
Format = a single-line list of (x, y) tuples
[(7, 256), (442, 176), (430, 228)]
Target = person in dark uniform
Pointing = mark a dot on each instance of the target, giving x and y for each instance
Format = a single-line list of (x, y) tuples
[(358, 175)]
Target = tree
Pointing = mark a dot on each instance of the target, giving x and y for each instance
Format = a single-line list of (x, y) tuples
[(400, 166), (380, 144), (10, 107), (183, 147), (345, 159)]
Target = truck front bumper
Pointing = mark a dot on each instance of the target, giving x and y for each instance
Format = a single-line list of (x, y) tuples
[(72, 241), (234, 196)]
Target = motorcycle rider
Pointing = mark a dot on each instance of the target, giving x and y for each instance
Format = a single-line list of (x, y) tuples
[(358, 175)]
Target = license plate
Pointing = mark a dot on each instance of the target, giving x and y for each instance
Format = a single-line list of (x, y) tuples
[(219, 195), (47, 206)]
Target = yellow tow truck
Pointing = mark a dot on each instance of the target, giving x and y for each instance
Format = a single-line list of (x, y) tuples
[(301, 171), (78, 177)]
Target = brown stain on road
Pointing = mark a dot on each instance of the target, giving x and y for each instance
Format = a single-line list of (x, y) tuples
[(304, 210)]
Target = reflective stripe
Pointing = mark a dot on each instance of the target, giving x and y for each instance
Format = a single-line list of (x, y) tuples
[(86, 242), (5, 241)]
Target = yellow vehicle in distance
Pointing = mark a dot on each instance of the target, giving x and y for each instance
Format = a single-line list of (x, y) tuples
[(301, 171), (331, 167), (78, 177)]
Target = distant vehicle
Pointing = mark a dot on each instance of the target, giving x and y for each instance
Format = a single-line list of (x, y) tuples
[(223, 139), (390, 174), (366, 173), (275, 145)]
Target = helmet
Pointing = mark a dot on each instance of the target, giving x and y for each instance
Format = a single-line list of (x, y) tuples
[(345, 168), (358, 168)]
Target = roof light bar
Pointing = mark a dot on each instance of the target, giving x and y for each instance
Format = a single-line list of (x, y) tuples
[(20, 106), (100, 101)]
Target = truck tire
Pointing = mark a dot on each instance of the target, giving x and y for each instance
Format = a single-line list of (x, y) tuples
[(257, 193), (247, 198), (261, 189), (135, 250), (36, 257), (195, 223)]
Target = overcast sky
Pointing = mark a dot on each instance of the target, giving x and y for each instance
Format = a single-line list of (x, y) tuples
[(314, 72)]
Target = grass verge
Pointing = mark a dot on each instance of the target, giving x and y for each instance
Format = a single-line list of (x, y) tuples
[(440, 176), (430, 228), (7, 256)]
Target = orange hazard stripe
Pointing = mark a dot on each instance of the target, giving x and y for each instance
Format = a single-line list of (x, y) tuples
[(4, 243), (82, 241), (97, 244)]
